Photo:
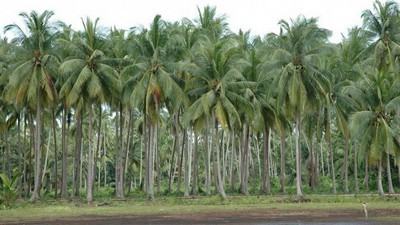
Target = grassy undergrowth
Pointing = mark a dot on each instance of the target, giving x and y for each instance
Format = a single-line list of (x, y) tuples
[(47, 208)]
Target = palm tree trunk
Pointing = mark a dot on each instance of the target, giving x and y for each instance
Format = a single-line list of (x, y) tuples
[(208, 158), (232, 166), (174, 150), (345, 167), (27, 156), (96, 154), (389, 174), (217, 168), (266, 181), (38, 149), (380, 187), (20, 187), (31, 146), (312, 165), (366, 177), (120, 156), (398, 172), (180, 163), (187, 164), (195, 172), (157, 157), (298, 157), (283, 163), (77, 156), (244, 158), (149, 162), (90, 175), (64, 154), (332, 166), (356, 188)]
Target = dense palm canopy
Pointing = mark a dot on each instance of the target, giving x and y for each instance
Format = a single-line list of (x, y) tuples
[(137, 108)]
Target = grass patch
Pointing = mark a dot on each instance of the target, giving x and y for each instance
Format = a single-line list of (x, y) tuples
[(173, 205)]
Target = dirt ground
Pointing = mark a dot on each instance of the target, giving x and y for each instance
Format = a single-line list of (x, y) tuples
[(259, 216)]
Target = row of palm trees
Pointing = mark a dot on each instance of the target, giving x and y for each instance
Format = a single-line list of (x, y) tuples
[(212, 85)]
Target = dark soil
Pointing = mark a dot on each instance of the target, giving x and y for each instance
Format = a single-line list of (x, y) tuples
[(259, 216)]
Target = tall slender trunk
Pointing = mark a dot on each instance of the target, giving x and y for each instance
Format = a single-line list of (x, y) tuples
[(244, 159), (97, 151), (217, 166), (366, 177), (38, 148), (64, 154), (283, 163), (27, 157), (7, 169), (356, 188), (119, 188), (312, 164), (187, 164), (175, 130), (180, 163), (20, 187), (398, 172), (380, 187), (232, 166), (150, 163), (105, 163), (129, 141), (45, 162), (298, 156), (90, 173), (345, 167), (322, 158), (195, 171), (332, 165), (266, 181), (31, 147), (156, 153), (389, 174), (208, 158), (77, 156)]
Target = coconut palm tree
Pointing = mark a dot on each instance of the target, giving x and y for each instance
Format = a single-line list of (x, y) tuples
[(382, 25), (89, 80), (149, 84), (295, 65), (375, 125), (32, 77), (218, 81)]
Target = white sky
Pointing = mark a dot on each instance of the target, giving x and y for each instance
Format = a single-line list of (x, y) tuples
[(259, 16)]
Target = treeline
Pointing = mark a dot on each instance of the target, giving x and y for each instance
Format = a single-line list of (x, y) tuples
[(191, 106)]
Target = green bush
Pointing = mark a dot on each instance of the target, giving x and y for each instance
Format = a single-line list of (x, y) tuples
[(9, 192)]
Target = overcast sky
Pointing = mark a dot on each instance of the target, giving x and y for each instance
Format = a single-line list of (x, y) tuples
[(259, 16)]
